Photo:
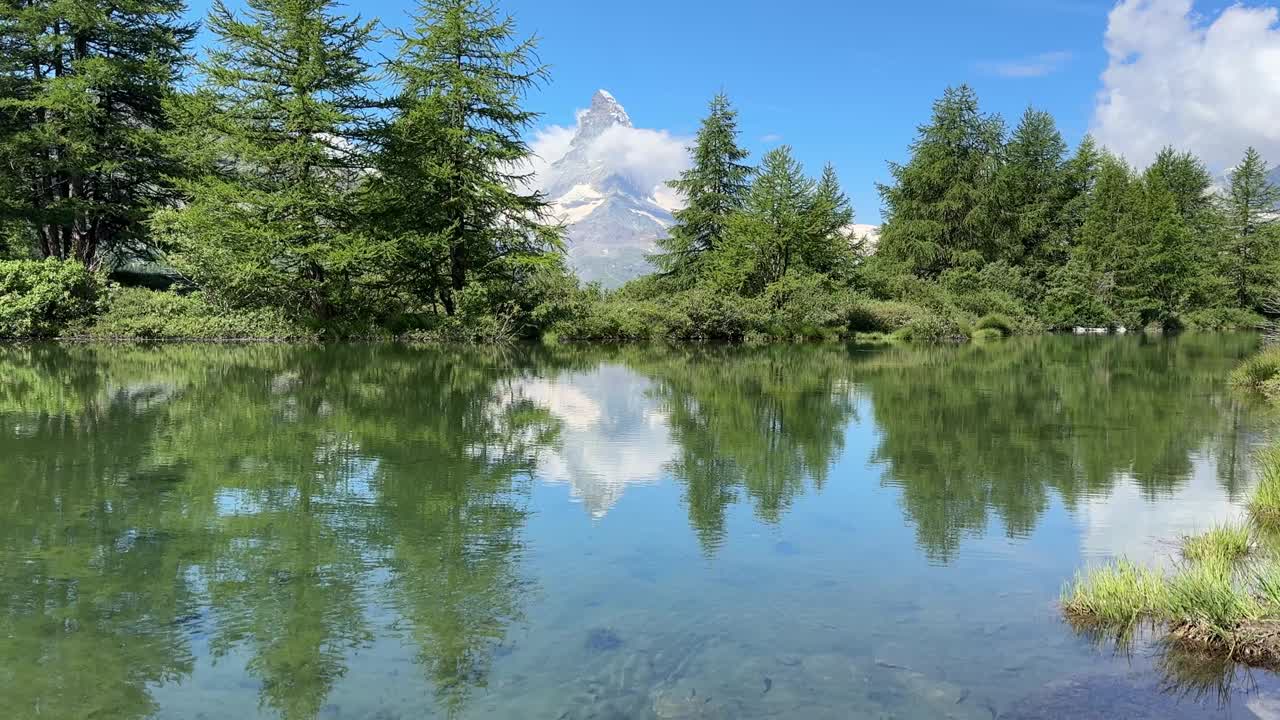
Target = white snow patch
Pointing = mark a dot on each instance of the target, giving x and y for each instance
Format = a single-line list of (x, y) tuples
[(578, 213), (651, 216)]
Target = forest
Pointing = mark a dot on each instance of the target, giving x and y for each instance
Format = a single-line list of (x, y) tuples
[(292, 183)]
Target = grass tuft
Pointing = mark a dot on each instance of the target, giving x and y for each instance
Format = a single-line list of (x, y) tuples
[(1265, 504), (1225, 542), (1254, 372), (1118, 595), (1205, 600)]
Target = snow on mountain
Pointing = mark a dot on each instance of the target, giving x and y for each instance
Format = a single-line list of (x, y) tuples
[(608, 188)]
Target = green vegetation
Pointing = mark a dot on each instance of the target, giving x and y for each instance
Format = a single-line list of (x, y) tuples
[(275, 182), (1225, 542), (1224, 599), (42, 298)]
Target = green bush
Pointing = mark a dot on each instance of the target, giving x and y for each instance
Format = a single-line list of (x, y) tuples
[(997, 322), (880, 316), (141, 314), (932, 330), (45, 298), (1220, 319)]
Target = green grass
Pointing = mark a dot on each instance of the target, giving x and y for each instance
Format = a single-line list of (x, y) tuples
[(986, 335), (1118, 595), (1226, 542), (1205, 596), (1257, 370), (1265, 504)]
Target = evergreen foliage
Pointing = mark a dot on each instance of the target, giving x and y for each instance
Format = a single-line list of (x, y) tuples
[(83, 89)]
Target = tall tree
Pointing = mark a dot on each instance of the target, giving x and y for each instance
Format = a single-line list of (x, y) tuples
[(1251, 252), (83, 86), (713, 189), (1030, 187), (939, 211), (777, 213), (831, 247), (282, 114), (452, 178)]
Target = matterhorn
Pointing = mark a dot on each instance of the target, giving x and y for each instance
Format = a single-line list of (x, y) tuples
[(613, 223)]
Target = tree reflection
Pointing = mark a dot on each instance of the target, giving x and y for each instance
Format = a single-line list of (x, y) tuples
[(252, 493), (969, 431)]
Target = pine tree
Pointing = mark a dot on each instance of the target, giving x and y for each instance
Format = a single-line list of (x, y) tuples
[(82, 92), (282, 116), (940, 211), (1251, 250), (1030, 189), (451, 183), (713, 189), (778, 204), (829, 249)]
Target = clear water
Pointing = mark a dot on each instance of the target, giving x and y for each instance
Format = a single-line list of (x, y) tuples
[(785, 532)]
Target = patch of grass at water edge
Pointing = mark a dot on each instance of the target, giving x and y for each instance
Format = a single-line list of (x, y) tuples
[(1118, 595), (1254, 372), (1205, 600), (1226, 542), (1265, 504)]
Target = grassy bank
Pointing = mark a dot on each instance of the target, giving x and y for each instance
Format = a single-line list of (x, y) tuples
[(1223, 596)]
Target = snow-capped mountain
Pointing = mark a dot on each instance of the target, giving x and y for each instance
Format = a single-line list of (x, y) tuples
[(613, 221)]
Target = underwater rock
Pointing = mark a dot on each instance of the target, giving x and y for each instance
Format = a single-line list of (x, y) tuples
[(603, 640), (682, 702)]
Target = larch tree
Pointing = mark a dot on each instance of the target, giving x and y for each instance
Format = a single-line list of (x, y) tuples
[(1029, 187), (276, 134), (714, 189), (940, 211), (83, 88), (1251, 249), (453, 178)]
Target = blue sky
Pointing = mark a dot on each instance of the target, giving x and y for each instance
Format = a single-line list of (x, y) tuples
[(848, 82)]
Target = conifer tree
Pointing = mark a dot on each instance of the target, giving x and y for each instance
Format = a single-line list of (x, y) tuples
[(82, 92), (451, 188), (280, 120), (940, 211), (1251, 251), (830, 249), (1030, 189), (713, 189), (779, 206)]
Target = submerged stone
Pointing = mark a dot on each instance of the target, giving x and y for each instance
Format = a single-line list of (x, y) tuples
[(603, 640)]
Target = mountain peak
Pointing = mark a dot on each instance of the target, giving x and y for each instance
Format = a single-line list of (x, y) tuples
[(605, 112)]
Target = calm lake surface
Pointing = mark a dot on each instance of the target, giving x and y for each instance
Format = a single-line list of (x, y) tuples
[(570, 533)]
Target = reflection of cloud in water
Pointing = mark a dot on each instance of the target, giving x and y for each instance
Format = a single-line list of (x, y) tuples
[(1128, 523), (614, 435)]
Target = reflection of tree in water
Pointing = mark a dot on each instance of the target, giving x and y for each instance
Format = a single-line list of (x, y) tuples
[(151, 493), (757, 421), (971, 430)]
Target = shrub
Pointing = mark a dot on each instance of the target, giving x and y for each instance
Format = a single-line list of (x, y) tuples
[(44, 298), (1256, 370), (986, 335), (1220, 319), (141, 314), (997, 322), (932, 329), (883, 316)]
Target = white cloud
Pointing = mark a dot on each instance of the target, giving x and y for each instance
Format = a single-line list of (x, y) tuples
[(647, 158), (1208, 85), (771, 138), (1034, 66)]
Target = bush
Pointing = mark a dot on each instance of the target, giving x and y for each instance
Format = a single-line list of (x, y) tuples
[(44, 298), (882, 316), (932, 330), (1220, 319), (141, 314), (997, 322)]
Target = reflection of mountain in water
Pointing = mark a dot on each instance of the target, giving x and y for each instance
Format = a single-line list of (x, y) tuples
[(612, 434)]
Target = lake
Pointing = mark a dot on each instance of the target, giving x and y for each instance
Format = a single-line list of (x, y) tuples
[(811, 531)]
